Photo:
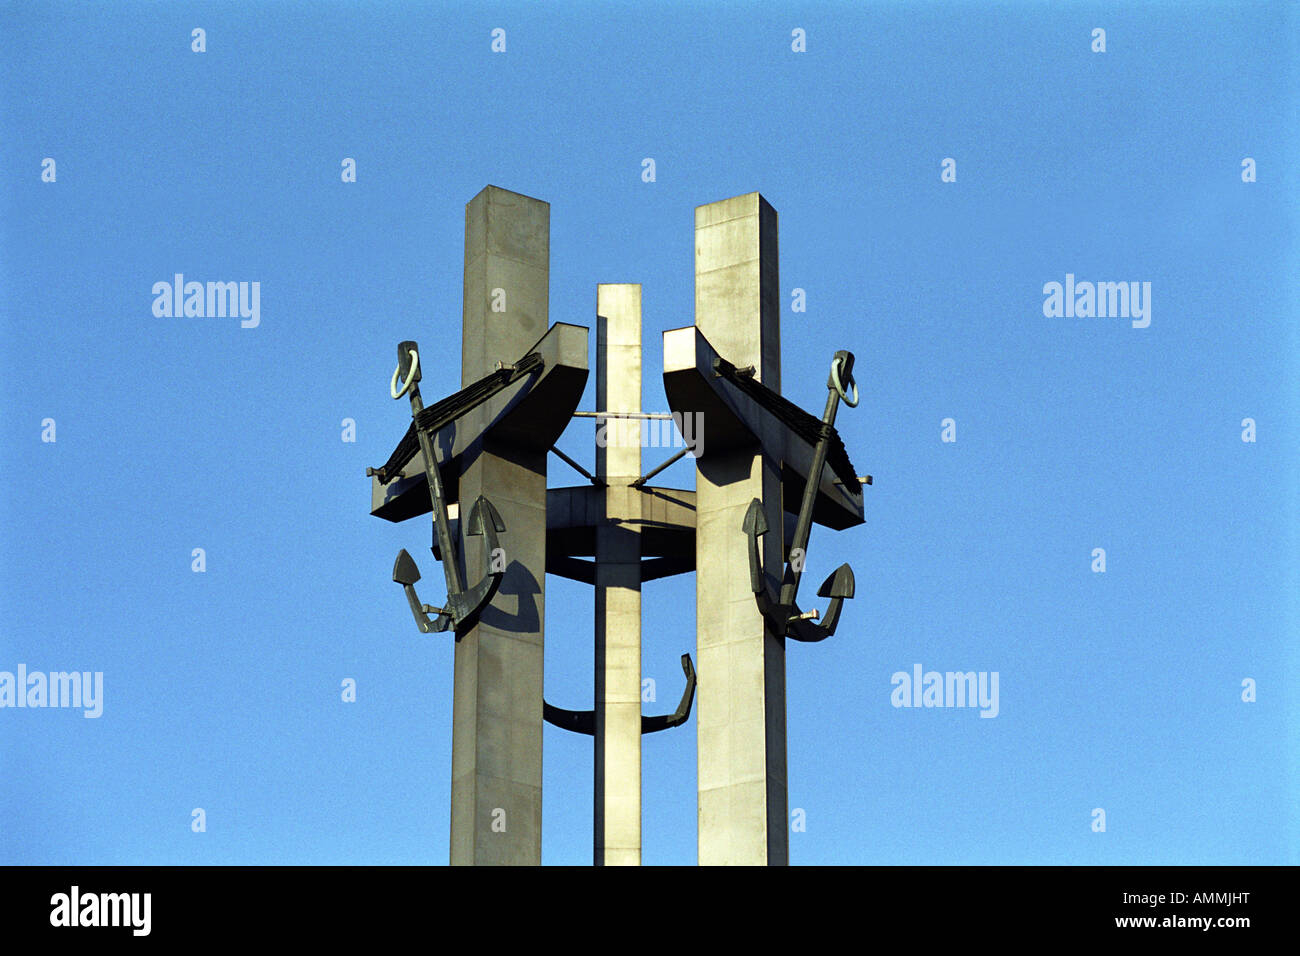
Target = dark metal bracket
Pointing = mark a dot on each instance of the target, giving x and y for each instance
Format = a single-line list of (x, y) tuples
[(584, 721)]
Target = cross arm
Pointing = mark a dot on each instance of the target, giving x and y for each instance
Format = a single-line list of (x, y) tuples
[(731, 413), (529, 412)]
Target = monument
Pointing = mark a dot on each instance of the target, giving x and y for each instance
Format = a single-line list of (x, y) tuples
[(766, 471)]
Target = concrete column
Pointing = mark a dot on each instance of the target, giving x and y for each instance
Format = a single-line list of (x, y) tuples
[(496, 791), (741, 713), (618, 580)]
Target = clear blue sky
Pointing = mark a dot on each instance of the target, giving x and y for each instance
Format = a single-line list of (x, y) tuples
[(1119, 690)]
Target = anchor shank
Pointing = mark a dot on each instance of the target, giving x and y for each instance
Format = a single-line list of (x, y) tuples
[(440, 524), (803, 525)]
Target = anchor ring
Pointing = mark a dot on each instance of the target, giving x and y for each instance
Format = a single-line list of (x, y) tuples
[(406, 386), (836, 364)]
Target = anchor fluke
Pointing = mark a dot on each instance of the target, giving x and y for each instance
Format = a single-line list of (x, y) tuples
[(483, 520), (483, 509), (406, 574), (839, 585), (404, 569), (839, 588), (755, 525)]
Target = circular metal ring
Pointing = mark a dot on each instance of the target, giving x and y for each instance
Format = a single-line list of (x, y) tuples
[(839, 386), (406, 386)]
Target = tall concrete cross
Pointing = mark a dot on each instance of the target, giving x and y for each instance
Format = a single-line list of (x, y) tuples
[(759, 451), (618, 579), (496, 774), (497, 448), (635, 532), (741, 719)]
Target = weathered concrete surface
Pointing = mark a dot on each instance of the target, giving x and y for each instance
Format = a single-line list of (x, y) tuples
[(618, 580), (741, 715)]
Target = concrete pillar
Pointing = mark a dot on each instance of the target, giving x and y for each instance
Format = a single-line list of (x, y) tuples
[(618, 580), (496, 791), (741, 711)]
